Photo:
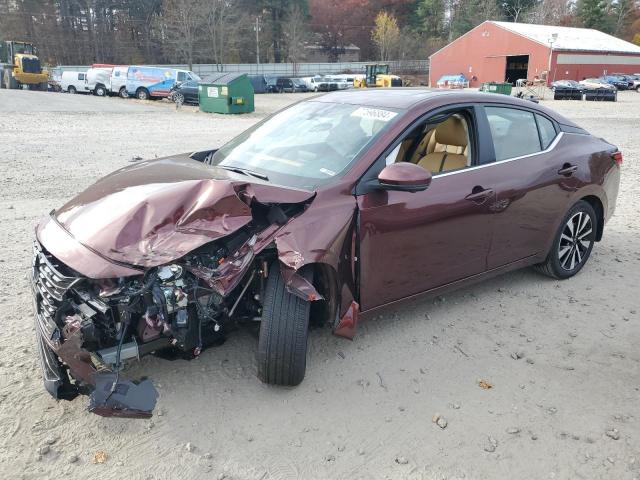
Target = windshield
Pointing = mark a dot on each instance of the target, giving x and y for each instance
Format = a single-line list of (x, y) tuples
[(306, 145)]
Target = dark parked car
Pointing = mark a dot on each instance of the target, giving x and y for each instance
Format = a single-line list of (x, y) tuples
[(618, 82), (633, 80), (567, 90), (259, 83), (271, 86), (567, 84), (322, 214), (290, 85), (185, 92)]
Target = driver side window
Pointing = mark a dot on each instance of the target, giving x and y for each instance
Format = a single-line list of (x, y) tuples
[(439, 144)]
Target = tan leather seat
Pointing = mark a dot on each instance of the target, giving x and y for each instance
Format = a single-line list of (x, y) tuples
[(449, 151)]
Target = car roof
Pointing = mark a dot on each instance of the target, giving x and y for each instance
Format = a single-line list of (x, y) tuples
[(401, 98), (406, 98)]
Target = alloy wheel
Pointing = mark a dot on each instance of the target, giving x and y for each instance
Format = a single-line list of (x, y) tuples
[(575, 241)]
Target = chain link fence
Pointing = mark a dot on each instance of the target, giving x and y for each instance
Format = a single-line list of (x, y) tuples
[(288, 69)]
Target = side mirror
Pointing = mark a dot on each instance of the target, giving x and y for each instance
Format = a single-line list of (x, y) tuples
[(405, 177)]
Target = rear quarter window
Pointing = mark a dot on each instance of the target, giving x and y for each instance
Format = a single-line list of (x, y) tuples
[(547, 131)]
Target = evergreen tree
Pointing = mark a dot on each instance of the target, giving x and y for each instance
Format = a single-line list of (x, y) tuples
[(592, 13)]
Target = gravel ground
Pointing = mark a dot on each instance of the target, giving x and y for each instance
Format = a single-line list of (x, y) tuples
[(562, 357)]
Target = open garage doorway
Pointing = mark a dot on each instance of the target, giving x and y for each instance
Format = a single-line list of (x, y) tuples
[(517, 68)]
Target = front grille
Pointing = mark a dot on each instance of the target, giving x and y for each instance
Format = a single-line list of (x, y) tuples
[(31, 65), (50, 283)]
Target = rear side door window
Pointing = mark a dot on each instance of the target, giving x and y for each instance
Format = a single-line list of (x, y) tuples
[(182, 76), (514, 132)]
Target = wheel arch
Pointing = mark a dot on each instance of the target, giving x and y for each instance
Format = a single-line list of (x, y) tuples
[(597, 205), (326, 281)]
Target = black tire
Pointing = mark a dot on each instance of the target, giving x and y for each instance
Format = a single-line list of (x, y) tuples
[(142, 94), (9, 81), (561, 265), (282, 345), (100, 91), (44, 87), (123, 93), (71, 89)]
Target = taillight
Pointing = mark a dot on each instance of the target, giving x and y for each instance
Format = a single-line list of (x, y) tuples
[(617, 157)]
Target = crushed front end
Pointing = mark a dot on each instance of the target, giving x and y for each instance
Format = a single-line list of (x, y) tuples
[(166, 258)]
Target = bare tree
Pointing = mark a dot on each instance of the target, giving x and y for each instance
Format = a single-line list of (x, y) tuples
[(514, 9), (550, 12), (182, 23), (217, 23), (295, 33), (621, 15)]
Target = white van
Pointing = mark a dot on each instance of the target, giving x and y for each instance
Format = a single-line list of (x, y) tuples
[(98, 80), (118, 84), (146, 82), (73, 82), (105, 80)]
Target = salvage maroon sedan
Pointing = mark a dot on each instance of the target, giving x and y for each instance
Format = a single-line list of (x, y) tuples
[(327, 210)]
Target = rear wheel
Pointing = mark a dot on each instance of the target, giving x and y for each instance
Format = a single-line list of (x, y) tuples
[(100, 91), (573, 242), (282, 346), (72, 89), (142, 94)]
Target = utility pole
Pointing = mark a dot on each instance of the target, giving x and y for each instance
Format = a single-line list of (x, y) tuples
[(257, 29), (552, 39)]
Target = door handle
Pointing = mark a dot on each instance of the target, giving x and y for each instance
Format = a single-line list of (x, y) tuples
[(568, 169), (479, 194)]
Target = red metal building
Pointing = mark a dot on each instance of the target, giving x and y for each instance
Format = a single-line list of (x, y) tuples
[(505, 51)]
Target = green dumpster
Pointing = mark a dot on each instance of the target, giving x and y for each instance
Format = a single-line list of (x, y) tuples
[(496, 87), (226, 93)]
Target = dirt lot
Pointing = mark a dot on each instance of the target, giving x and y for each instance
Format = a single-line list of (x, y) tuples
[(365, 408)]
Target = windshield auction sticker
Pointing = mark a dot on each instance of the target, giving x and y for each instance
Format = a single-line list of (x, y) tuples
[(374, 114)]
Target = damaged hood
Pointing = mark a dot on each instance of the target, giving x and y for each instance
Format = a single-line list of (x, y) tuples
[(155, 212)]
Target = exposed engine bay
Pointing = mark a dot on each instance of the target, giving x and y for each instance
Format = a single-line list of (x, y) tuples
[(173, 310)]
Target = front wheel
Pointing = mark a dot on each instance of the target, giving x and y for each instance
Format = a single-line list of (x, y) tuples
[(100, 91), (123, 93), (573, 242), (282, 345)]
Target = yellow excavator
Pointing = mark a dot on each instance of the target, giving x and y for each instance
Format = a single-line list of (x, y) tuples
[(377, 75), (22, 67)]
